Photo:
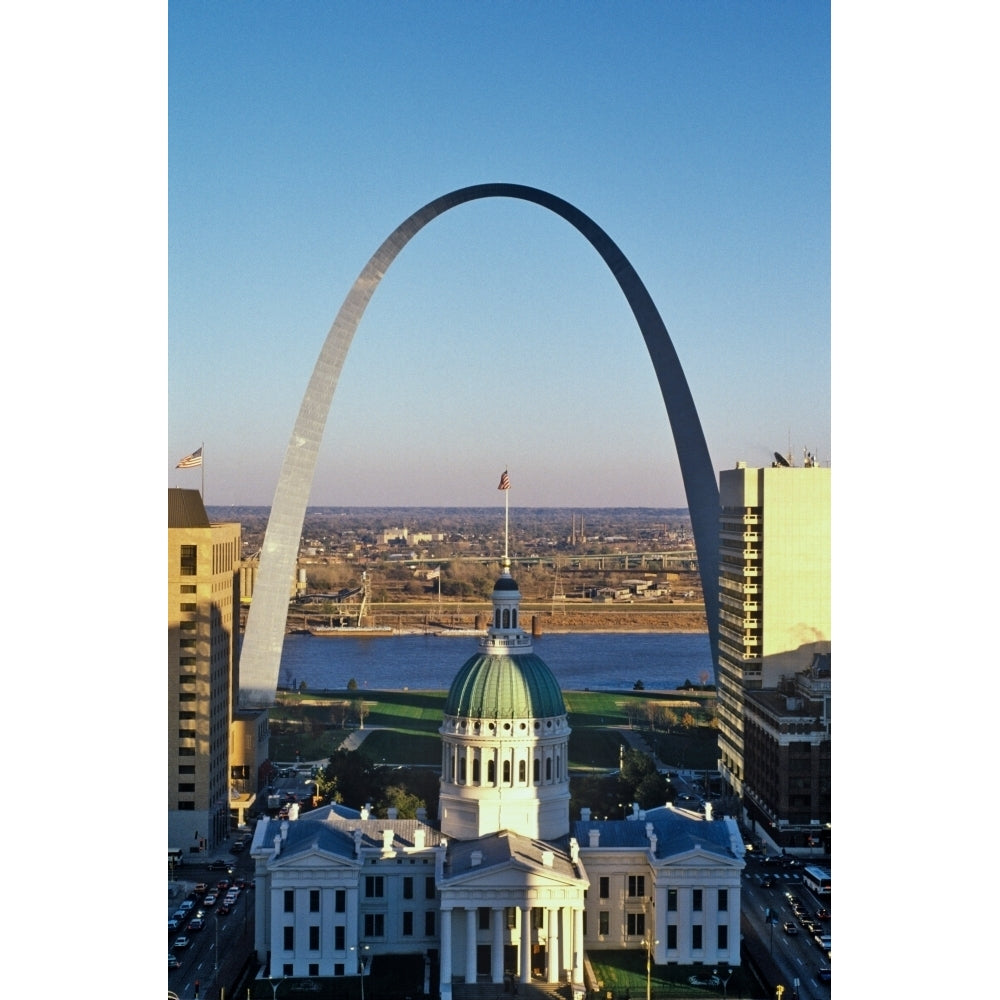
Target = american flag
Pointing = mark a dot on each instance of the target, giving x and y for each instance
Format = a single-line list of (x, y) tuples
[(504, 481), (192, 461)]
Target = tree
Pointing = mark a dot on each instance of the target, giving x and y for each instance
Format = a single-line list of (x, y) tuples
[(352, 685), (638, 686), (354, 777), (688, 721)]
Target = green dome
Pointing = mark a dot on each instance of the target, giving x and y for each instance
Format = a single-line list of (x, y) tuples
[(500, 686)]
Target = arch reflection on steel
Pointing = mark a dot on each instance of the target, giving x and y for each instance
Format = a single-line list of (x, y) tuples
[(265, 631)]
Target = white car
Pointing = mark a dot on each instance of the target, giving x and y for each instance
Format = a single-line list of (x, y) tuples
[(209, 900), (182, 942)]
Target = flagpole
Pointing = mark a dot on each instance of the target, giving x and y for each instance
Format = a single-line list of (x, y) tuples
[(202, 471), (506, 523)]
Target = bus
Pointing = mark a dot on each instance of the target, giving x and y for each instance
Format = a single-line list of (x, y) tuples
[(816, 879), (175, 857)]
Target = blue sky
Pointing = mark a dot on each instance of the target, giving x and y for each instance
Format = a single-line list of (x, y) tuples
[(697, 135)]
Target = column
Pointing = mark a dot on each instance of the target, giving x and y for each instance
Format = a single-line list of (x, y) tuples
[(470, 944), (525, 944), (552, 956), (445, 954), (578, 944), (497, 925)]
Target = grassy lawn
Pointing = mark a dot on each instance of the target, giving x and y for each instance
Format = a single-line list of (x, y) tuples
[(623, 974), (403, 727)]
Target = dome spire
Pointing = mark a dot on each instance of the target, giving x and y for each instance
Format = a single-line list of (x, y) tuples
[(505, 486)]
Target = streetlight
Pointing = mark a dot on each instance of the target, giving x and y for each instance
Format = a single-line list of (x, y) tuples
[(727, 974), (650, 945), (274, 984), (363, 959)]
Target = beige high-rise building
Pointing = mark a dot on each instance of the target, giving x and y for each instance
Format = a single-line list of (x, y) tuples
[(202, 630), (774, 590)]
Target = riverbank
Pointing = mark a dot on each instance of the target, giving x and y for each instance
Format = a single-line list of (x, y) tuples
[(421, 618)]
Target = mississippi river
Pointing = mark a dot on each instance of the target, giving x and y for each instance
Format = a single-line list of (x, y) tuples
[(594, 660)]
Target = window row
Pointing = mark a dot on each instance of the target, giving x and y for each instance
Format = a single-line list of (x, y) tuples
[(636, 889)]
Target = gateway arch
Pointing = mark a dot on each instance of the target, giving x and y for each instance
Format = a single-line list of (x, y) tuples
[(260, 658)]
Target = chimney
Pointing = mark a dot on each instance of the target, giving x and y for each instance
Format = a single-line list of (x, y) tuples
[(422, 814), (277, 845), (420, 839), (547, 858), (585, 814), (574, 850), (357, 843), (284, 829), (365, 811), (708, 810), (652, 844), (387, 836), (475, 859), (595, 837), (392, 812)]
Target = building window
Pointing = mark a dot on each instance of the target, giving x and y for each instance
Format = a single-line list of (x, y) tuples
[(313, 969), (635, 924), (374, 886), (671, 937), (374, 925), (522, 772), (289, 901), (537, 918), (510, 917), (723, 942), (484, 918), (185, 751), (338, 937), (189, 560), (723, 900), (287, 969), (672, 900), (186, 734), (429, 923), (636, 886), (603, 922), (536, 771), (338, 968), (340, 901), (696, 937), (491, 772), (407, 923), (548, 768), (186, 786), (188, 588), (408, 887), (605, 887), (314, 938), (429, 887), (186, 769), (188, 606), (188, 626), (289, 943), (188, 661), (186, 806), (696, 900), (314, 900)]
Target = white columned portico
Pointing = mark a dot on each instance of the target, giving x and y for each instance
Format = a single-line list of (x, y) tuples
[(578, 945), (525, 949), (470, 945), (496, 970), (446, 954), (552, 953)]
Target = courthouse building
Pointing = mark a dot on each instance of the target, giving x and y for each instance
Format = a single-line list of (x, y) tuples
[(504, 883)]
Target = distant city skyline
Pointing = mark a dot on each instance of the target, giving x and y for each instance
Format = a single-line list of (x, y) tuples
[(697, 137)]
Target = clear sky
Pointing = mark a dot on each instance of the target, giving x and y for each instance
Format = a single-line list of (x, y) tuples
[(696, 134)]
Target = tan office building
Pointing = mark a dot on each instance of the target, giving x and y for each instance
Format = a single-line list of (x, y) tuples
[(202, 630), (774, 590)]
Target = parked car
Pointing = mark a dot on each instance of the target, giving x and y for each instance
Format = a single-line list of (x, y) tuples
[(201, 887), (823, 974), (789, 928), (224, 909), (188, 904), (182, 942), (220, 865), (210, 900), (173, 923), (822, 914), (237, 848), (173, 962), (197, 923)]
